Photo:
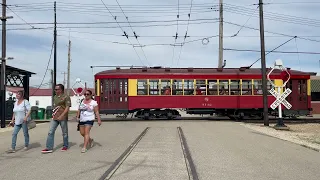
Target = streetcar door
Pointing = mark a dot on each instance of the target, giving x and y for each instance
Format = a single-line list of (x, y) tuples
[(120, 96), (104, 99), (298, 97), (115, 98), (303, 94)]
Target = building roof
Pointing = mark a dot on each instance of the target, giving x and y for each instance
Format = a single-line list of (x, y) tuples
[(11, 69), (162, 70), (41, 92)]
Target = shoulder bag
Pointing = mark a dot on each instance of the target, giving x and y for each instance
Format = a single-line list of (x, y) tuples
[(31, 123), (78, 126)]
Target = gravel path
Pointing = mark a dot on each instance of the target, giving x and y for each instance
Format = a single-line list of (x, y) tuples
[(307, 135)]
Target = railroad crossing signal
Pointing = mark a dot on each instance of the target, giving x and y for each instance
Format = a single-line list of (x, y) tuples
[(80, 86), (280, 99), (79, 90), (285, 75)]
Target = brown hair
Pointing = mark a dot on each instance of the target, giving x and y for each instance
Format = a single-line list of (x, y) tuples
[(90, 92), (22, 93), (61, 87)]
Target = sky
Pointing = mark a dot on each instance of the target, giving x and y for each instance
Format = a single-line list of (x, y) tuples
[(102, 43)]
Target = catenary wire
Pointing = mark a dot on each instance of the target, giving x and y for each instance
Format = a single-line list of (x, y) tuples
[(47, 68), (184, 39)]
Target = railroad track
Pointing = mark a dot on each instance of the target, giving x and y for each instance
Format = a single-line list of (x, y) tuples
[(190, 166)]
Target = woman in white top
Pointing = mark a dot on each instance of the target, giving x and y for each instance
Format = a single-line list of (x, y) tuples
[(21, 114), (88, 110)]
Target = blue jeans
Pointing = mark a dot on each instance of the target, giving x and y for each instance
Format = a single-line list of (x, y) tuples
[(53, 127), (16, 130)]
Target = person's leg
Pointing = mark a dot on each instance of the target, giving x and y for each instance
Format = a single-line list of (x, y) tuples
[(64, 129), (50, 138), (26, 135), (82, 130), (15, 132), (87, 139)]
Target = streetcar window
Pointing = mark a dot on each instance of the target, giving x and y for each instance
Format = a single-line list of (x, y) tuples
[(177, 87), (257, 87), (126, 87), (223, 87), (269, 86), (142, 87), (153, 87), (235, 87), (188, 86), (165, 87), (201, 87), (212, 87), (120, 88), (247, 87)]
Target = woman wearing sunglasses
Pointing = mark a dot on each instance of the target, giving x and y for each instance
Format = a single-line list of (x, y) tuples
[(88, 109), (20, 118)]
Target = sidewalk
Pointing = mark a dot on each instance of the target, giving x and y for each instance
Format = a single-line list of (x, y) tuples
[(8, 129)]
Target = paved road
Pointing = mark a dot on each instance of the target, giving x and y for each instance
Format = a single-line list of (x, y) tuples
[(219, 150)]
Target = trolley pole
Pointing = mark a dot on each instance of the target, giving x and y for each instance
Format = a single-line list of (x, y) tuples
[(263, 66)]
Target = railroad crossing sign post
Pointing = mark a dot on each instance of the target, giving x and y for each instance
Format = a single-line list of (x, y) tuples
[(80, 88), (280, 98)]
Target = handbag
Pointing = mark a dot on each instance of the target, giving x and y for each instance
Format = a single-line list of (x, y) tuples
[(78, 126), (31, 123)]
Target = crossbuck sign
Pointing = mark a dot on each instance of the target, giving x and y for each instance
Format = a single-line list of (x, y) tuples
[(280, 98)]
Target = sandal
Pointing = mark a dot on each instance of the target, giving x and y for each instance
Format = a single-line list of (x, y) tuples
[(91, 143), (83, 150)]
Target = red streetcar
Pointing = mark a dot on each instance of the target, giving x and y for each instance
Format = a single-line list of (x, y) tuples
[(157, 92)]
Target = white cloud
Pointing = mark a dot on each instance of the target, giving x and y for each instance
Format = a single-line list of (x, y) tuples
[(94, 48)]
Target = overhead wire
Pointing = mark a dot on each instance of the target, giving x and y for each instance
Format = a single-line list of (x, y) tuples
[(298, 53), (107, 22), (272, 16), (301, 2), (122, 31), (245, 23), (47, 68), (273, 50), (185, 36), (282, 52), (133, 16), (282, 34), (176, 36), (108, 27), (25, 22)]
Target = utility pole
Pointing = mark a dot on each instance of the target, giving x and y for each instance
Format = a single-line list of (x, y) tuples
[(3, 65), (263, 66), (53, 87), (221, 35), (64, 78), (69, 61), (55, 47), (3, 80)]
